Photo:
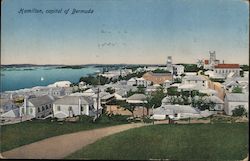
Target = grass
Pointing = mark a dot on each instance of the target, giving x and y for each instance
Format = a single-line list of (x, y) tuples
[(16, 135), (176, 142)]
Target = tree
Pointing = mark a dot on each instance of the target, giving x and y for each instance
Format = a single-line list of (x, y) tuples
[(190, 68), (110, 90), (240, 111), (172, 91), (155, 99), (244, 67), (242, 73), (160, 71), (177, 80), (128, 106), (140, 89), (237, 89), (130, 93)]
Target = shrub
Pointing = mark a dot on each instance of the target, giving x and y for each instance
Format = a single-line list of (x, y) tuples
[(240, 111), (85, 119)]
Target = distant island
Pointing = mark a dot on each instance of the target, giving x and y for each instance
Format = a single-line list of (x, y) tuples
[(71, 67)]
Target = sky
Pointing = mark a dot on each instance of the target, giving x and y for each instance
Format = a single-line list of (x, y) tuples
[(124, 31)]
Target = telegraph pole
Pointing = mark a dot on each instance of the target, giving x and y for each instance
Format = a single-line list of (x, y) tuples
[(97, 111), (98, 97)]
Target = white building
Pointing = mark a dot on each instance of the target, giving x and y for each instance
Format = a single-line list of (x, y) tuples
[(38, 107), (178, 69), (235, 100), (228, 69), (137, 99), (70, 106), (141, 82), (177, 112), (196, 80), (8, 108), (131, 82), (218, 103), (60, 84)]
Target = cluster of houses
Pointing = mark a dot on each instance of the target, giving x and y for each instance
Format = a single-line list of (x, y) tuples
[(60, 100)]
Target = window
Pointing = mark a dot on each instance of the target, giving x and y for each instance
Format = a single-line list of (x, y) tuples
[(38, 109), (58, 108), (47, 107), (82, 108), (42, 108), (50, 105)]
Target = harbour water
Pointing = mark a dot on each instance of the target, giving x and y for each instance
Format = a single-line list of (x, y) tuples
[(27, 77)]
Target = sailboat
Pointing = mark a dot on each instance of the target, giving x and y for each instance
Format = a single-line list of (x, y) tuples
[(42, 78)]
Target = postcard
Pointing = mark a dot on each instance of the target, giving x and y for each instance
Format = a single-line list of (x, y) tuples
[(124, 79)]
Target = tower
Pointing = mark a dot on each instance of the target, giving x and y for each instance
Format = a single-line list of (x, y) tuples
[(212, 57), (169, 64)]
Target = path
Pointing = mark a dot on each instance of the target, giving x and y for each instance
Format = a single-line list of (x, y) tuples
[(59, 147)]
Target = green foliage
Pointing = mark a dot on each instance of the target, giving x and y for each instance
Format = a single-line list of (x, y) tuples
[(85, 119), (172, 91), (110, 90), (155, 99), (160, 71), (242, 73), (237, 89), (128, 106), (147, 120), (190, 68), (130, 93), (133, 68), (217, 80), (177, 80), (245, 67), (240, 111), (131, 75), (140, 89), (95, 80)]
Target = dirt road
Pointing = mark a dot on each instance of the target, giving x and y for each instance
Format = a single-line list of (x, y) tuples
[(59, 147)]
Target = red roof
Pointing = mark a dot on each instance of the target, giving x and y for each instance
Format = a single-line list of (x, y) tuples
[(206, 61), (227, 66)]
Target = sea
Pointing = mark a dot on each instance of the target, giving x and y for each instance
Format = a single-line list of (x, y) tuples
[(28, 77)]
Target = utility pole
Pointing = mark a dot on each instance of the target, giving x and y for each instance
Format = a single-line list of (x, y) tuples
[(98, 97), (97, 111), (153, 114)]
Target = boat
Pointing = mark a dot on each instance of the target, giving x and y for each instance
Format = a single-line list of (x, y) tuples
[(42, 78)]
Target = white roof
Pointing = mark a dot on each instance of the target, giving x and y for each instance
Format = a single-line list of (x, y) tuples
[(195, 78), (60, 84), (137, 97), (173, 109), (156, 85), (214, 99), (140, 78), (208, 91), (131, 79), (237, 97), (191, 87)]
